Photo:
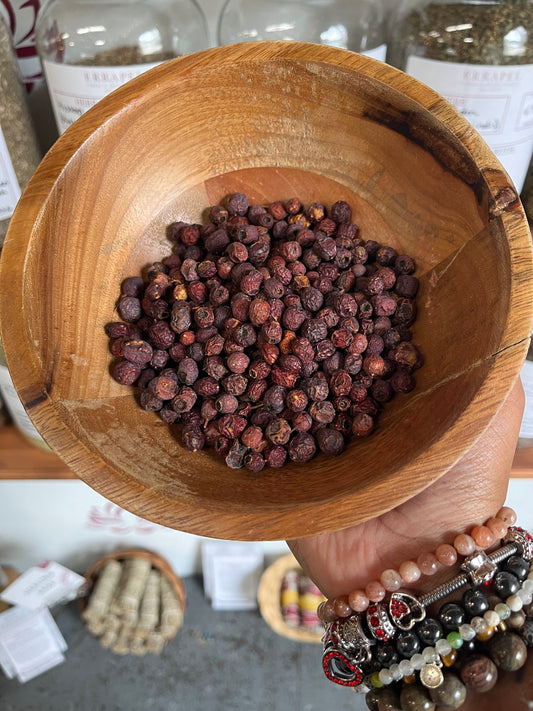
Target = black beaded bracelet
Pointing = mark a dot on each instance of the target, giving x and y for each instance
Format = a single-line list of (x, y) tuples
[(362, 650)]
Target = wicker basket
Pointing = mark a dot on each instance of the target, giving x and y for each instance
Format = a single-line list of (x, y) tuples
[(269, 594), (157, 562)]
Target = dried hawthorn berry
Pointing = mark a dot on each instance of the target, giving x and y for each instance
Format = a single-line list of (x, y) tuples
[(406, 355), (232, 426), (267, 314), (193, 438), (314, 329), (150, 402), (322, 411), (404, 264), (402, 381), (125, 372), (362, 425), (278, 431), (296, 400), (137, 351), (316, 389), (253, 438), (254, 462), (330, 441), (282, 377), (187, 371), (405, 313), (237, 204), (226, 403), (162, 387), (324, 349), (353, 362), (133, 286), (340, 383), (269, 352), (161, 335), (386, 256), (302, 421), (256, 389), (259, 311), (184, 400), (274, 399), (290, 363), (259, 369), (302, 447), (293, 317), (118, 329), (218, 215), (341, 211), (129, 308), (271, 331)]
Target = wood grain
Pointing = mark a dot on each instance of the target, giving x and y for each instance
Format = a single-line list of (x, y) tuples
[(273, 120)]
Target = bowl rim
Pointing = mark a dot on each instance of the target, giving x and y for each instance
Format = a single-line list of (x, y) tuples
[(266, 525)]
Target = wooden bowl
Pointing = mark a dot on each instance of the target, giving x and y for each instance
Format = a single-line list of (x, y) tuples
[(274, 120)]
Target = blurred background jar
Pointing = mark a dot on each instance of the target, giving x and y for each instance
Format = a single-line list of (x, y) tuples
[(478, 54), (357, 25), (14, 407), (88, 48), (19, 152), (20, 17)]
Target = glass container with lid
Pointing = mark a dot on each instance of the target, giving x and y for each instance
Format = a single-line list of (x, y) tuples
[(19, 150), (357, 25), (90, 47), (478, 54)]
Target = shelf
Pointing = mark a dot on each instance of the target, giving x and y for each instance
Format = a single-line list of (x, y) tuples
[(523, 464), (21, 460)]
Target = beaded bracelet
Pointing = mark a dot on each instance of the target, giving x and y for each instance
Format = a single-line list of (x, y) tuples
[(445, 649), (480, 537), (350, 660)]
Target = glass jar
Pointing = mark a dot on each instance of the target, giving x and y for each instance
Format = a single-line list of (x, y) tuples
[(88, 48), (15, 408), (20, 17), (19, 152), (357, 25), (478, 54)]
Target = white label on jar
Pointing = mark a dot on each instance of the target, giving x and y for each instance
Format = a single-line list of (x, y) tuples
[(9, 186), (15, 407), (497, 100), (526, 376), (377, 52), (73, 90)]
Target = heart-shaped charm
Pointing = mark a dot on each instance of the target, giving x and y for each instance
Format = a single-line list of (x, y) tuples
[(405, 610), (341, 670)]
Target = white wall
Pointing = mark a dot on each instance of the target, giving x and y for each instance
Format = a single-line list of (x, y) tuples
[(66, 521)]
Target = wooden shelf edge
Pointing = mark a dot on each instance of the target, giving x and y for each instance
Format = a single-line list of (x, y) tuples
[(21, 460), (523, 464)]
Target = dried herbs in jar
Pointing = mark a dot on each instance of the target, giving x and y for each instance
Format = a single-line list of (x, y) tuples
[(19, 152), (88, 48), (478, 54)]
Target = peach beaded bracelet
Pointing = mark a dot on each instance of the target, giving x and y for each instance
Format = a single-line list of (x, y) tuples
[(409, 572)]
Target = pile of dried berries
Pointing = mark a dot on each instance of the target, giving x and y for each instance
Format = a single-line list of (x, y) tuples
[(269, 332)]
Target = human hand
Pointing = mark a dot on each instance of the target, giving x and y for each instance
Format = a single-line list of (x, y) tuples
[(469, 493)]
